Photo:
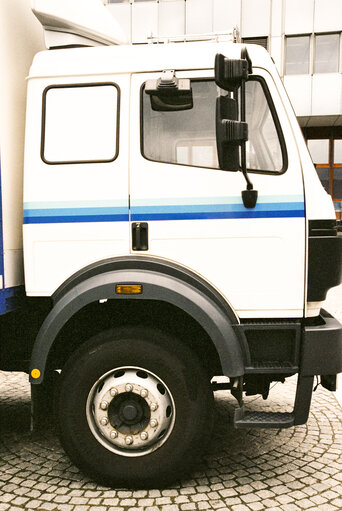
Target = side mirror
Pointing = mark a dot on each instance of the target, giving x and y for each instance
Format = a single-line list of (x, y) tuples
[(231, 73), (230, 133), (169, 94)]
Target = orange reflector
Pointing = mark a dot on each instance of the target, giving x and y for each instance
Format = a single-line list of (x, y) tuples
[(35, 373), (128, 289)]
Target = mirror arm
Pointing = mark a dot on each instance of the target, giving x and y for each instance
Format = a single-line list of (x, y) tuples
[(249, 196)]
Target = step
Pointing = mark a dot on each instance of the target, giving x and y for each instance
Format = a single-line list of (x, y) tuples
[(245, 419), (271, 367)]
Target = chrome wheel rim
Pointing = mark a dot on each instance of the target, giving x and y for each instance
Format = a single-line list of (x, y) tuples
[(130, 411)]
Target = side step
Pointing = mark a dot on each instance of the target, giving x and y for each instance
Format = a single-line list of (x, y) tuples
[(277, 420), (256, 419)]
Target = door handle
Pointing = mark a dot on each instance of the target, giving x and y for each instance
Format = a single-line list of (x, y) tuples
[(140, 236)]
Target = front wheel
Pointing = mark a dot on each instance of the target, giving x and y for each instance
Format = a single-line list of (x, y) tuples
[(135, 407)]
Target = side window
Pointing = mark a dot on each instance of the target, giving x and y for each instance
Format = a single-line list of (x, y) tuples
[(264, 152), (80, 123), (189, 137), (185, 137)]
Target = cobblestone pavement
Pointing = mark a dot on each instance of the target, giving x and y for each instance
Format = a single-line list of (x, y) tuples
[(244, 470)]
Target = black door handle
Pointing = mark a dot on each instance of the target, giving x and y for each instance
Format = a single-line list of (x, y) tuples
[(140, 236)]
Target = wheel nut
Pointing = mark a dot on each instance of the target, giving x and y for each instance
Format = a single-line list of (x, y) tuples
[(154, 423), (113, 392), (104, 405), (154, 407), (144, 435), (143, 393), (129, 388), (104, 421), (129, 440), (113, 434)]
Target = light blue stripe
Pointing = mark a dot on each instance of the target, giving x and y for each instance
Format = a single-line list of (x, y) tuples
[(75, 211), (216, 208)]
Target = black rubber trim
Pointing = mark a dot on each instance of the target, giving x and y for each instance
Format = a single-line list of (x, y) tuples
[(69, 86), (156, 286), (147, 263), (322, 347), (322, 227), (324, 266)]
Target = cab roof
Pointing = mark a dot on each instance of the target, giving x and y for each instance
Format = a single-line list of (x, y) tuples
[(141, 58)]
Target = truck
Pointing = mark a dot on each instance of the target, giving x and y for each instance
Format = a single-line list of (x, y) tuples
[(163, 234)]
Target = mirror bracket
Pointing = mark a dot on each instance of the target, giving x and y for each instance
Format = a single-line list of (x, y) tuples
[(235, 131), (168, 83)]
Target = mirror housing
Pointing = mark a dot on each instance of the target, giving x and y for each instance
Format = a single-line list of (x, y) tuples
[(230, 133), (169, 93), (231, 73)]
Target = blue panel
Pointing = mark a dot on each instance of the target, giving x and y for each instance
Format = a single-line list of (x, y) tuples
[(11, 299)]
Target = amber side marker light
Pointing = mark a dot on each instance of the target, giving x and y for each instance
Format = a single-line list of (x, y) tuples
[(128, 289), (35, 373)]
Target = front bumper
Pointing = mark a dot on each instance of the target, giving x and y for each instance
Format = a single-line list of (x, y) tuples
[(322, 347)]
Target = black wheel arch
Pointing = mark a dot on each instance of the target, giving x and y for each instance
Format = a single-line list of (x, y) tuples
[(161, 281)]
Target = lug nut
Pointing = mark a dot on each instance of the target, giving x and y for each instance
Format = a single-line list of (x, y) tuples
[(154, 423), (113, 434), (129, 387), (143, 393), (154, 407), (113, 392), (129, 440), (104, 405), (104, 421), (144, 435)]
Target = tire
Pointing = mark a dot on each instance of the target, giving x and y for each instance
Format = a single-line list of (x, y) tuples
[(135, 408)]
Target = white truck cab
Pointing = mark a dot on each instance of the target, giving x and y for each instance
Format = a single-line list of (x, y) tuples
[(174, 224)]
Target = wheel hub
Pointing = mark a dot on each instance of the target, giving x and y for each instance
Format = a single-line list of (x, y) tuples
[(130, 411)]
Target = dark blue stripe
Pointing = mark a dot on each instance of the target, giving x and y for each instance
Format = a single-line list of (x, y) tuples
[(74, 219), (295, 213)]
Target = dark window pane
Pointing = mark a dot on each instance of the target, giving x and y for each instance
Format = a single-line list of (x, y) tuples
[(323, 174), (337, 183), (262, 41)]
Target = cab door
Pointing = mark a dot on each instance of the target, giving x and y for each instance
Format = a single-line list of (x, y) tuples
[(76, 209), (193, 211)]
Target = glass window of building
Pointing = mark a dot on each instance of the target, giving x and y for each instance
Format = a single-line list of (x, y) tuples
[(297, 55), (337, 172), (327, 48), (319, 150), (262, 41)]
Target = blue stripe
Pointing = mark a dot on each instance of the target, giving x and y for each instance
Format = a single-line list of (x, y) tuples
[(295, 213), (229, 210), (84, 217)]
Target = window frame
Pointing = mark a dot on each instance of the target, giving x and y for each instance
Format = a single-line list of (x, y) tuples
[(310, 60), (314, 65), (275, 118), (43, 124)]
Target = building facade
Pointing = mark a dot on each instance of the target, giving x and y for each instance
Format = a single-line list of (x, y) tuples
[(303, 38)]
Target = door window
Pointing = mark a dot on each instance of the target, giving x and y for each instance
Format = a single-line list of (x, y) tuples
[(188, 137)]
